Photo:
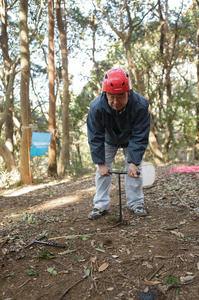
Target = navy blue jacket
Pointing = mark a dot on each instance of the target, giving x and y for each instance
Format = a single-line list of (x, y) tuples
[(127, 128)]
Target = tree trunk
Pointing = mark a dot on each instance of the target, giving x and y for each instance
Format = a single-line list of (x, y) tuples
[(7, 156), (131, 66), (25, 171), (52, 164), (168, 125), (64, 158), (6, 76), (8, 101), (196, 149), (154, 143), (79, 155)]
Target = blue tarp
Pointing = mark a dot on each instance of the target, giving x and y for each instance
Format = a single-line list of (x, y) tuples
[(40, 143)]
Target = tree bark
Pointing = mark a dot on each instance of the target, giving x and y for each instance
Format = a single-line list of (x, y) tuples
[(168, 125), (6, 77), (7, 157), (196, 149), (25, 170), (64, 158), (52, 164)]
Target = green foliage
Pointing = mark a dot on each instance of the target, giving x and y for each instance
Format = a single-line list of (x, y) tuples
[(77, 258), (45, 254), (11, 274), (32, 272), (52, 271), (9, 179), (100, 250), (87, 272), (172, 280), (28, 218)]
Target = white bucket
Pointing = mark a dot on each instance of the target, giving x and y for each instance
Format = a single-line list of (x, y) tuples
[(148, 174)]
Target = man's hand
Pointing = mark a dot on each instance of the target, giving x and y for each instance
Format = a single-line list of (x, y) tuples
[(104, 170), (133, 171)]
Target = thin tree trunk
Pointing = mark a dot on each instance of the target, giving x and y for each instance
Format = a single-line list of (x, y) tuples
[(64, 158), (6, 76), (94, 27), (131, 66), (196, 150), (52, 164), (25, 171), (7, 156), (154, 143), (168, 125)]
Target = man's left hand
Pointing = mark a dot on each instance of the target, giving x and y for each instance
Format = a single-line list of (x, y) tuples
[(133, 171)]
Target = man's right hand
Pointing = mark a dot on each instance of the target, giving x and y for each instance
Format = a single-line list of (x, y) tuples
[(104, 170)]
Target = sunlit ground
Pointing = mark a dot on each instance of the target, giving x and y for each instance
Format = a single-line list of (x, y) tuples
[(29, 188), (46, 204)]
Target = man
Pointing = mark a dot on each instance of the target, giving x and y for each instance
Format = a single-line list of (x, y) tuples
[(119, 117)]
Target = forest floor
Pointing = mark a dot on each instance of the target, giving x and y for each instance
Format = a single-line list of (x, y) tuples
[(153, 257)]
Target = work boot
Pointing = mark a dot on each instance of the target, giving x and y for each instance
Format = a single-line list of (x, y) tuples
[(96, 214)]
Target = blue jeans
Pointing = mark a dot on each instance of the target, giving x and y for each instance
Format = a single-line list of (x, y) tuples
[(133, 186)]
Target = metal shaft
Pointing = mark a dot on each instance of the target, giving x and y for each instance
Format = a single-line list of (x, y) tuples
[(38, 241), (120, 193), (120, 196), (33, 242)]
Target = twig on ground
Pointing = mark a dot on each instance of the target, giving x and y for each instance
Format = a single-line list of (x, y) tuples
[(24, 283), (72, 286), (124, 276), (115, 286), (154, 273), (182, 202), (93, 279), (59, 263)]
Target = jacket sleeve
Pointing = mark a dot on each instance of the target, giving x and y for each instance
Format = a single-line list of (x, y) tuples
[(140, 135), (96, 135)]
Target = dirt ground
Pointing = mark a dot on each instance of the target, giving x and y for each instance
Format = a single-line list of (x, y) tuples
[(153, 257)]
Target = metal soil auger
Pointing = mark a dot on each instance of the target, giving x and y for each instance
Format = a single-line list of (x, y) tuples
[(148, 178), (120, 193), (38, 241)]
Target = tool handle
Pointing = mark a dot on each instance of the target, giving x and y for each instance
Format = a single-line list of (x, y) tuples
[(33, 242), (118, 172), (48, 243), (121, 172)]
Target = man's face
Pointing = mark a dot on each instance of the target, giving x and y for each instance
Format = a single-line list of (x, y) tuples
[(117, 101)]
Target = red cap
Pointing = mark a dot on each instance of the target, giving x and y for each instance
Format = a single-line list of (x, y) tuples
[(116, 81)]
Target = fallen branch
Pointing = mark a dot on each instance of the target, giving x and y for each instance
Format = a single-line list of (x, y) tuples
[(182, 201), (154, 273), (72, 286), (24, 283)]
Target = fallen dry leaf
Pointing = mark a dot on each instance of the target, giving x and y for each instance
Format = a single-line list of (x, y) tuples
[(145, 263), (93, 259), (103, 267), (186, 278), (110, 289), (151, 282), (177, 233)]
